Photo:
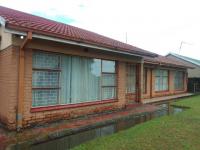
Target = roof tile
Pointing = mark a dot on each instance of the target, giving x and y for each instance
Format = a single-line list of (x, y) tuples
[(26, 22)]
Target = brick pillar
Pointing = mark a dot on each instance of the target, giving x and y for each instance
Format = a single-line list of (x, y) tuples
[(185, 81), (140, 68), (171, 81)]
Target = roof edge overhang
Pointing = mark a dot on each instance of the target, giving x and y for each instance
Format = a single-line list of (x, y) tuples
[(167, 65), (183, 59), (24, 29), (71, 42)]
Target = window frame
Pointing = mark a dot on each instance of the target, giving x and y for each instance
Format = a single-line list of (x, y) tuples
[(133, 75), (47, 70), (183, 76), (165, 90), (80, 104), (113, 73)]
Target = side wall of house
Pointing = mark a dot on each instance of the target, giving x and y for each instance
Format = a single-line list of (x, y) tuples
[(8, 86), (31, 116)]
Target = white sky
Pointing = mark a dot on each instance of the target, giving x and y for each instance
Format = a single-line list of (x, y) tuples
[(155, 25)]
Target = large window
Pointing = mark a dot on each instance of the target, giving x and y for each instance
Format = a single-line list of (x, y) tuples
[(131, 78), (161, 80), (178, 80), (63, 79)]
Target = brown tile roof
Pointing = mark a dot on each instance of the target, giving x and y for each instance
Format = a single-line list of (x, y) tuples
[(21, 21), (27, 22), (165, 61)]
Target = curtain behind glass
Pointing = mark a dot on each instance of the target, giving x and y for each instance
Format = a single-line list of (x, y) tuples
[(85, 80), (131, 78), (65, 79)]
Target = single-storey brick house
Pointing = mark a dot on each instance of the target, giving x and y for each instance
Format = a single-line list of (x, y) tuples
[(50, 70)]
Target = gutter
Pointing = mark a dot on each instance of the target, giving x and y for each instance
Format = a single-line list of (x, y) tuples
[(20, 106)]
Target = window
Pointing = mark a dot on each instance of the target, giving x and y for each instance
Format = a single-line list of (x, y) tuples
[(145, 80), (45, 77), (131, 78), (64, 79), (108, 79), (178, 80), (161, 80)]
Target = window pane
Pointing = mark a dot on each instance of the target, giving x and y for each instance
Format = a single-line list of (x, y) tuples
[(45, 79), (85, 79), (108, 80), (108, 93), (45, 60), (165, 73), (131, 78), (108, 66), (157, 73), (178, 80), (131, 84), (157, 83), (165, 83), (65, 79), (44, 97), (161, 80)]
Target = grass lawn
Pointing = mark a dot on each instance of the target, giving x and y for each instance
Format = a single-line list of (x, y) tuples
[(180, 131)]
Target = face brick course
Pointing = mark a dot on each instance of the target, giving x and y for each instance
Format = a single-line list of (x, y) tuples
[(8, 86)]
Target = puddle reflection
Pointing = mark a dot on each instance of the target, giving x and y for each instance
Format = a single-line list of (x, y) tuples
[(71, 141)]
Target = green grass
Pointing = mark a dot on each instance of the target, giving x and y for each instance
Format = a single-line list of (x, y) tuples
[(180, 132)]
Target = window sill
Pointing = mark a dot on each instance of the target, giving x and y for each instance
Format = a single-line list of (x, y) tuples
[(58, 107)]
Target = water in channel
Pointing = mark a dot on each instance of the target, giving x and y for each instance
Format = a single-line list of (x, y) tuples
[(70, 141)]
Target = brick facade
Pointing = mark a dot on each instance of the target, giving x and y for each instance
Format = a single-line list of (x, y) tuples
[(9, 84), (150, 92), (40, 117)]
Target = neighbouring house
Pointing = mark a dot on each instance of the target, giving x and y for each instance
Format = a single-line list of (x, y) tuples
[(193, 73), (50, 71)]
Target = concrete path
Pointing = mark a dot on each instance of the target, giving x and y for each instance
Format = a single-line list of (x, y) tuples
[(165, 98)]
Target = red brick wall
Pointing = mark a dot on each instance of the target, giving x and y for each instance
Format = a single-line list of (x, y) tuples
[(151, 82), (8, 86), (30, 118)]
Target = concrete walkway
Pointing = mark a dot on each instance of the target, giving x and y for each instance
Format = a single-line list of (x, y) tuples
[(166, 98), (67, 127)]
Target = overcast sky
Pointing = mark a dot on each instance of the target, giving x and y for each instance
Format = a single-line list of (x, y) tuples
[(155, 25)]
